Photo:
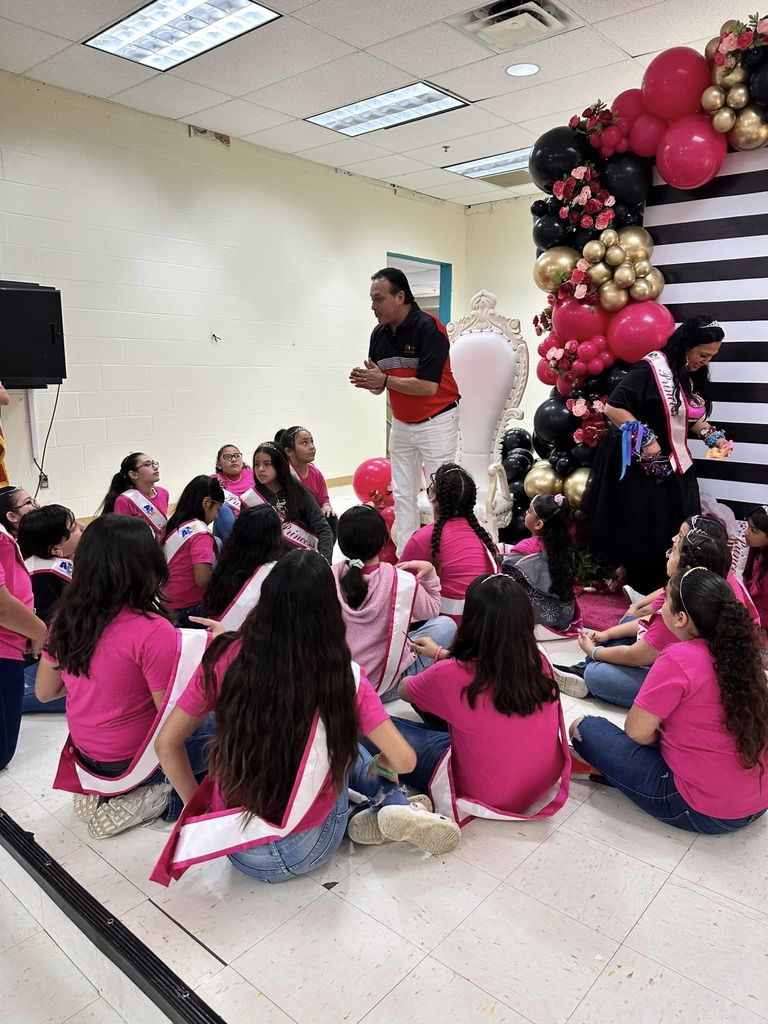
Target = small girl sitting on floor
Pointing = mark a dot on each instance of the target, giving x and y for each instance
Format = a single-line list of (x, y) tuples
[(134, 491), (299, 446), (189, 546), (756, 571), (235, 479)]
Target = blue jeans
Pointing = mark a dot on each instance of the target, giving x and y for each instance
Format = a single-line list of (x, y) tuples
[(429, 744), (31, 704), (616, 684), (197, 752), (642, 774), (224, 522), (11, 700), (442, 630)]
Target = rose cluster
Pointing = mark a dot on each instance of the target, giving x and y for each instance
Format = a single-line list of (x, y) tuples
[(606, 130), (585, 203)]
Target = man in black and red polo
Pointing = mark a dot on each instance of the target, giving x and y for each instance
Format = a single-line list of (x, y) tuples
[(408, 355)]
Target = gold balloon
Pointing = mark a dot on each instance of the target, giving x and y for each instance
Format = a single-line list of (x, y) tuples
[(738, 97), (593, 251), (574, 487), (624, 275), (553, 265), (636, 242), (598, 274), (612, 298), (728, 26), (609, 237), (726, 77), (615, 256), (723, 120), (542, 479), (643, 268), (641, 290), (656, 281), (711, 48), (750, 130), (712, 98)]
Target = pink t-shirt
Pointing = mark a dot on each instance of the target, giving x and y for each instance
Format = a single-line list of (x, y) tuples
[(757, 585), (125, 507), (316, 485), (111, 710), (654, 632), (197, 703), (15, 578), (682, 689), (237, 485), (462, 557), (505, 761), (181, 591), (529, 546)]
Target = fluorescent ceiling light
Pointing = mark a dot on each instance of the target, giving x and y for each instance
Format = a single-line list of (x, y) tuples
[(488, 165), (522, 70), (168, 32), (385, 111)]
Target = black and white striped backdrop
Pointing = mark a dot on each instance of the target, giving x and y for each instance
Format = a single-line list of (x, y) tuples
[(711, 244)]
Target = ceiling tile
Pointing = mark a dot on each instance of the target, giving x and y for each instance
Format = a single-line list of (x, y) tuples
[(71, 19), (385, 166), (527, 190), (453, 124), (595, 10), (342, 153), (428, 51), (83, 69), (267, 54), (419, 180), (482, 197), (238, 118), (461, 187), (671, 22), (168, 97), (354, 77), (287, 6), (367, 24), (501, 140), (644, 59), (539, 125), (22, 47), (293, 136)]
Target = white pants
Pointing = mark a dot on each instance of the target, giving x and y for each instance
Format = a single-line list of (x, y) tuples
[(411, 446)]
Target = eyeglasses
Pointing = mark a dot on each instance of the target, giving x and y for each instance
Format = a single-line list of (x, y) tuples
[(29, 501), (234, 457), (149, 464)]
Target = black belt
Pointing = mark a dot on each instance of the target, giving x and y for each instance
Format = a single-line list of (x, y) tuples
[(453, 405)]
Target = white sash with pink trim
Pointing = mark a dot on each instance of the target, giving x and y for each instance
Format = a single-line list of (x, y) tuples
[(455, 605), (176, 541), (201, 834), (231, 499), (61, 567), (292, 532), (74, 777), (677, 422), (151, 513), (247, 599), (463, 809), (404, 589), (16, 548)]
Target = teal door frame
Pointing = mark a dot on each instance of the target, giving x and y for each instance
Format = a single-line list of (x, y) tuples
[(446, 282)]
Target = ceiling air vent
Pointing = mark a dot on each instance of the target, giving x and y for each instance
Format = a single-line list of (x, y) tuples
[(507, 24)]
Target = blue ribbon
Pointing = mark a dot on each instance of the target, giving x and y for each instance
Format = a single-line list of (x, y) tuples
[(632, 434)]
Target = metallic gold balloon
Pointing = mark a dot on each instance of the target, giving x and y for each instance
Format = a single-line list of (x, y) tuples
[(593, 251), (723, 120), (750, 130), (542, 479), (713, 98), (726, 77), (553, 265), (615, 256), (643, 268), (636, 242), (656, 281), (609, 237), (598, 274), (711, 48), (728, 26), (575, 485), (612, 298), (624, 275), (641, 290), (737, 97)]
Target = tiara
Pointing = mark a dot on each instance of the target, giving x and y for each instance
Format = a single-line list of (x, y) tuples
[(695, 568), (712, 323)]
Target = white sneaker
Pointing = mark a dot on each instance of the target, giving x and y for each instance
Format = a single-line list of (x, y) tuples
[(633, 595), (433, 833), (84, 805), (363, 827), (123, 812)]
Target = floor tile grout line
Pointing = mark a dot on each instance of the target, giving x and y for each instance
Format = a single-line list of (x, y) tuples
[(99, 998), (182, 928), (615, 849), (684, 882), (262, 994)]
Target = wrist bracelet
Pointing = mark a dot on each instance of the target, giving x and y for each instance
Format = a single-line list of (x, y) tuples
[(380, 770), (713, 436), (594, 653), (438, 652)]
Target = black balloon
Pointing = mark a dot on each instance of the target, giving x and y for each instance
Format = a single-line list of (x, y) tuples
[(553, 421), (516, 530), (541, 447), (582, 454), (577, 393), (565, 466), (517, 490), (539, 208), (582, 236), (522, 501), (615, 377), (621, 216), (548, 231), (516, 437), (555, 154), (516, 465), (758, 85), (752, 59), (553, 205), (627, 176), (554, 456)]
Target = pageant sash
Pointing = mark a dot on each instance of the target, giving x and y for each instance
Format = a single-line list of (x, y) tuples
[(404, 589), (292, 532), (74, 777), (201, 834), (677, 422), (455, 605), (151, 513), (252, 498), (61, 567), (231, 499), (179, 538), (247, 599), (16, 548), (463, 809)]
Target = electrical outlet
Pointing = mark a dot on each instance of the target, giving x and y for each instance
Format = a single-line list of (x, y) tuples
[(44, 480)]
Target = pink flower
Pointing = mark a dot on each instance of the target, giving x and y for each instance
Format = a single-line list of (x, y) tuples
[(606, 116), (557, 189), (580, 408), (592, 124), (610, 201), (573, 217), (578, 435), (744, 41), (563, 364), (577, 276), (571, 346), (563, 213), (728, 42), (583, 196), (578, 173), (598, 406), (580, 291), (574, 122), (719, 59), (602, 220), (550, 354), (587, 221), (583, 264), (762, 26)]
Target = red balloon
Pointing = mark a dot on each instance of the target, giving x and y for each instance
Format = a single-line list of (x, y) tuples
[(573, 319), (545, 373), (629, 104), (639, 328), (691, 152), (388, 515), (579, 369), (372, 482), (674, 81), (595, 366), (645, 134), (608, 359), (388, 553), (588, 350), (601, 341), (565, 387), (544, 347)]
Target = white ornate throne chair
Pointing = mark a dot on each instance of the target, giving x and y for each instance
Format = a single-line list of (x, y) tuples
[(489, 359)]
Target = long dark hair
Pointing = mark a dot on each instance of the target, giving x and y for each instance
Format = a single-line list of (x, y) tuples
[(555, 514), (8, 497), (119, 565), (496, 634), (709, 525), (362, 535), (275, 686), (190, 504), (701, 549), (120, 482), (256, 538), (757, 557), (455, 497), (696, 330), (43, 528), (733, 641), (287, 436), (295, 494)]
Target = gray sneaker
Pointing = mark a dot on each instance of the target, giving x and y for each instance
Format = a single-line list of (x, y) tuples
[(433, 833), (120, 813), (363, 827), (84, 806)]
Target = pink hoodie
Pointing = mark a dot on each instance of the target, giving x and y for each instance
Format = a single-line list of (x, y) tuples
[(368, 625)]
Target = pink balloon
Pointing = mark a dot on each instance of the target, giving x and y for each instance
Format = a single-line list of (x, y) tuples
[(579, 369), (588, 350), (691, 152), (565, 387), (545, 373), (372, 482), (388, 515), (601, 341), (608, 359), (629, 104), (388, 553), (544, 347), (573, 319), (645, 134), (638, 329), (595, 366), (674, 81)]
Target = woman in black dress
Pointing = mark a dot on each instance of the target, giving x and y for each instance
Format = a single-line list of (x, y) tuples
[(643, 482)]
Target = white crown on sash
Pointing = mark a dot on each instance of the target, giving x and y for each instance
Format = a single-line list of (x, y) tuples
[(404, 589), (72, 774), (677, 422), (151, 513), (61, 567), (176, 541), (462, 809), (247, 599), (292, 532), (201, 834), (455, 605)]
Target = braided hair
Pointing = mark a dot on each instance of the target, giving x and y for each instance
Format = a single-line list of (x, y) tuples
[(455, 497), (554, 512)]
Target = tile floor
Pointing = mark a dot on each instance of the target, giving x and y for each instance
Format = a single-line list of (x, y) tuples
[(586, 918)]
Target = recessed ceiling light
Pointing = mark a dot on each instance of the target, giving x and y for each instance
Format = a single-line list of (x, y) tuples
[(168, 32), (522, 70), (388, 109), (489, 165)]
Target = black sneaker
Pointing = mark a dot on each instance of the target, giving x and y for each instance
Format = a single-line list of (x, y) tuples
[(570, 680)]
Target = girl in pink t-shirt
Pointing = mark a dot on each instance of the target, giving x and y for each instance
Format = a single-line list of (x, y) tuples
[(300, 448), (756, 571), (189, 546), (134, 491), (694, 749)]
